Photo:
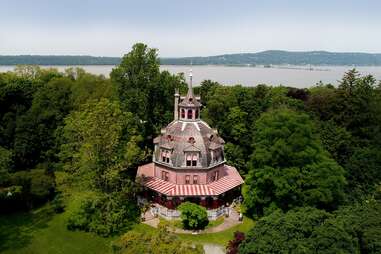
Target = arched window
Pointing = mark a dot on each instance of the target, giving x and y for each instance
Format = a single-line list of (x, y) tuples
[(182, 113), (196, 114), (190, 114), (191, 160), (165, 156)]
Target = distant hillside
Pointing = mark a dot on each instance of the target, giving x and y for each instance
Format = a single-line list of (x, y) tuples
[(276, 57), (279, 57), (58, 60)]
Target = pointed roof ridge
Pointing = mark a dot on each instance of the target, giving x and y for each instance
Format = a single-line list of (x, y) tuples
[(190, 99)]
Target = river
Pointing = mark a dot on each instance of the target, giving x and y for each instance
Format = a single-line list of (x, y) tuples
[(296, 76)]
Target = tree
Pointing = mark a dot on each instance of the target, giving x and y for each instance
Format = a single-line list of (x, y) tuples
[(35, 140), (99, 142), (105, 214), (289, 167), (5, 164), (364, 171), (193, 216), (145, 91), (363, 221), (303, 230)]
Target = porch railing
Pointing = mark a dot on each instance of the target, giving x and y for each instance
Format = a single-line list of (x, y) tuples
[(175, 214)]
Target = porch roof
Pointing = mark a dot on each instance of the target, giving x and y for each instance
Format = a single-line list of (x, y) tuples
[(229, 181)]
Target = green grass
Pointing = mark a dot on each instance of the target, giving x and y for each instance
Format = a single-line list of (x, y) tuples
[(221, 238)]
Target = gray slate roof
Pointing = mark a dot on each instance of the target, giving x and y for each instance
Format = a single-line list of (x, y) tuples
[(177, 139)]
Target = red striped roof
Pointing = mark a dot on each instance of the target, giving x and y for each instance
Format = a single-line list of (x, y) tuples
[(231, 180)]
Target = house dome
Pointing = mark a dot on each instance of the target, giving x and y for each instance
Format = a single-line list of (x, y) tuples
[(189, 144)]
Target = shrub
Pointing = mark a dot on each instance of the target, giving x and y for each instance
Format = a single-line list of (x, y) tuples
[(193, 216), (159, 242), (104, 215), (58, 204), (233, 245)]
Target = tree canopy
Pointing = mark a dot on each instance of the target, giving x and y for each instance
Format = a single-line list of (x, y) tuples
[(289, 167)]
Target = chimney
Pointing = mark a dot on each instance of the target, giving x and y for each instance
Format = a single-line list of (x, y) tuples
[(176, 110)]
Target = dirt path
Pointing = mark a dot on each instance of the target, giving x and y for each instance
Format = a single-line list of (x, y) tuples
[(214, 249)]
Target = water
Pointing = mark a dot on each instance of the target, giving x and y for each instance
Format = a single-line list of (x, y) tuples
[(296, 76)]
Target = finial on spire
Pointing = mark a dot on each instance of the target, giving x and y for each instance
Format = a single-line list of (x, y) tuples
[(190, 78)]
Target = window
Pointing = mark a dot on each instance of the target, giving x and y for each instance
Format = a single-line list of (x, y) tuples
[(196, 114), (190, 114), (216, 155), (191, 160), (215, 176), (195, 179), (187, 179), (164, 175), (165, 155), (182, 113)]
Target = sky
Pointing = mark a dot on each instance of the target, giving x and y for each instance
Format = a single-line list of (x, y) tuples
[(187, 28)]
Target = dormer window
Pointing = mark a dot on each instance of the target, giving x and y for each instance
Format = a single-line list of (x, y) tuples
[(165, 155), (190, 114), (191, 159)]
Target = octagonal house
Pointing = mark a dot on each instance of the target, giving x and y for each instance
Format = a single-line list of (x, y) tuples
[(189, 164)]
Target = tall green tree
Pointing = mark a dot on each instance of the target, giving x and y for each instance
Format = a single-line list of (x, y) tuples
[(35, 140), (144, 90), (100, 142), (289, 167)]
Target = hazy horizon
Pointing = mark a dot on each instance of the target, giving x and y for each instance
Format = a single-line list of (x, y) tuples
[(196, 28)]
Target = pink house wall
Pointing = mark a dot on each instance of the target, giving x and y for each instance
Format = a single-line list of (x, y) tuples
[(179, 177)]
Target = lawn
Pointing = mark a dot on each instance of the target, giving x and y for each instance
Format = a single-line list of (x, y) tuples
[(221, 238), (179, 224), (42, 231)]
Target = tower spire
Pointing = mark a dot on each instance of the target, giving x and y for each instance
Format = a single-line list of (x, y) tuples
[(190, 85)]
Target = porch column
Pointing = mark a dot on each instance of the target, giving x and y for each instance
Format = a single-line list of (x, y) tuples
[(215, 202), (203, 201), (169, 203), (181, 200)]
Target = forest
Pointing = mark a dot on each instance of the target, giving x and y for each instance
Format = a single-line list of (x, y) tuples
[(310, 158)]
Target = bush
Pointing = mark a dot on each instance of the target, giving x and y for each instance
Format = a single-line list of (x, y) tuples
[(193, 216), (233, 245), (104, 215), (158, 242), (26, 190), (58, 204)]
